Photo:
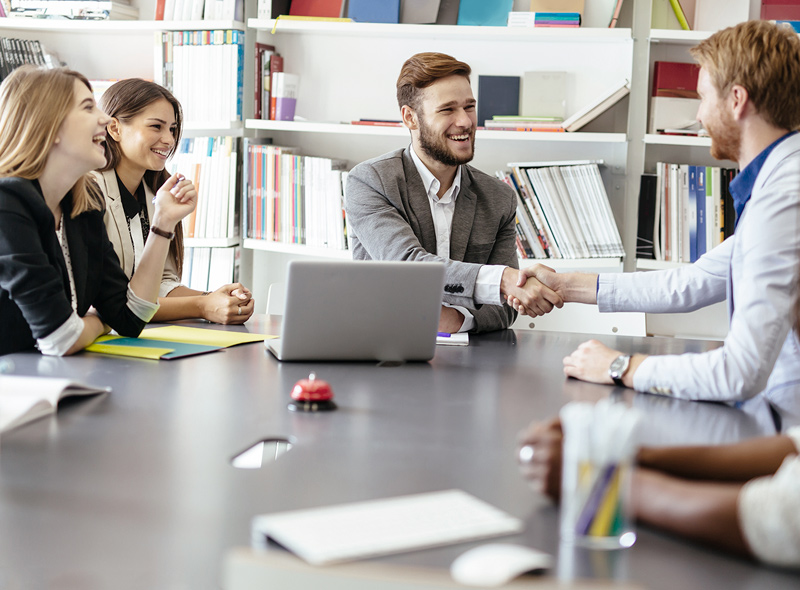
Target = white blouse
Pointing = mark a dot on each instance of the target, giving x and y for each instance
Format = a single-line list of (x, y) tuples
[(769, 512)]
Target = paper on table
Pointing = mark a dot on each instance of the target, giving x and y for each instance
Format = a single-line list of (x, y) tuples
[(459, 339), (148, 348), (202, 336)]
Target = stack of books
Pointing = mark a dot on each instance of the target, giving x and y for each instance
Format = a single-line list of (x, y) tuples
[(206, 269), (211, 163), (184, 55), (544, 19), (75, 9), (16, 52), (189, 10), (563, 211), (684, 211), (293, 199), (521, 123)]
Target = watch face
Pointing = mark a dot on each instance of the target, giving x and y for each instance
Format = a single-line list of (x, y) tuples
[(618, 366)]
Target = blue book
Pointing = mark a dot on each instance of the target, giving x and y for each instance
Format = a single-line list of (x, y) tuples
[(701, 211), (692, 213), (484, 12), (374, 11)]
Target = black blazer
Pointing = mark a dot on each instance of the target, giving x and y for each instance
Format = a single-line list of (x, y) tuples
[(35, 295)]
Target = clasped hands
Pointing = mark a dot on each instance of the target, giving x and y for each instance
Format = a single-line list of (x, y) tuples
[(532, 291)]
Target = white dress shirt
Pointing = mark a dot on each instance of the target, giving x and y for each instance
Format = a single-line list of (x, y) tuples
[(487, 285)]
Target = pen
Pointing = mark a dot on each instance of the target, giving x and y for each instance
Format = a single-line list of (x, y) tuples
[(443, 334)]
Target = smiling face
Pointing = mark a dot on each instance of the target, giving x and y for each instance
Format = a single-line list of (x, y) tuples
[(715, 115), (81, 136), (446, 121), (146, 139)]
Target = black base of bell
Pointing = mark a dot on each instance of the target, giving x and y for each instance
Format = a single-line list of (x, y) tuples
[(312, 406)]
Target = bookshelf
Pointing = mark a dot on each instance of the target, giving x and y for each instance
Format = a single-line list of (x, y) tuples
[(351, 94)]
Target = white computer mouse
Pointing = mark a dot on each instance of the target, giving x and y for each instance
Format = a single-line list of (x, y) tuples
[(496, 564)]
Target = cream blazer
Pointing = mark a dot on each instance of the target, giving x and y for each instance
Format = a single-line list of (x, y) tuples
[(120, 237)]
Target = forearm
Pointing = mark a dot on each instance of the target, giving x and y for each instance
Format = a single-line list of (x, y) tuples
[(737, 462), (92, 328), (578, 287), (701, 511), (146, 281), (178, 308)]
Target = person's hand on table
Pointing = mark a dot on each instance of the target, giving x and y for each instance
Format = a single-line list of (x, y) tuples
[(539, 452), (592, 360), (527, 294), (230, 304)]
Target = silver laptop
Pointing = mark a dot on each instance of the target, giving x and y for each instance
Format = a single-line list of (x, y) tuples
[(359, 311)]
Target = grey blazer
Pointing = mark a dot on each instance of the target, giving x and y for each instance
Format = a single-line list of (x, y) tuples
[(389, 218)]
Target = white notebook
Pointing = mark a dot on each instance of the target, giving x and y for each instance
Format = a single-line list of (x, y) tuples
[(346, 532)]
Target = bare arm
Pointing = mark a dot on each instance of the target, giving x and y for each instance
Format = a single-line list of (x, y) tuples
[(702, 511), (230, 304)]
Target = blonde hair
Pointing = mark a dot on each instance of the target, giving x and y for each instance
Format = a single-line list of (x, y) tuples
[(423, 69), (762, 57), (34, 102)]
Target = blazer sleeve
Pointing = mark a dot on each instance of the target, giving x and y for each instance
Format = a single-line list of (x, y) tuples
[(27, 274), (504, 252), (382, 231)]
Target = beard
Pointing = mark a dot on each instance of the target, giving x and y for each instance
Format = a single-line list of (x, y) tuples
[(436, 148), (726, 138)]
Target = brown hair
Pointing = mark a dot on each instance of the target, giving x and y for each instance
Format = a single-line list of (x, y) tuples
[(34, 102), (423, 69), (123, 101), (762, 57)]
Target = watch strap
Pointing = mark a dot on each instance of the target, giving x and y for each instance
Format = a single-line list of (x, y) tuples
[(160, 232)]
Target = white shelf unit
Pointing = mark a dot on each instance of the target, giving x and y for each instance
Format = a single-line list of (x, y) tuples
[(296, 249), (679, 140), (211, 242), (116, 26), (341, 82)]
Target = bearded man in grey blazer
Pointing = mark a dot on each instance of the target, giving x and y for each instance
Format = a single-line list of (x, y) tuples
[(425, 203)]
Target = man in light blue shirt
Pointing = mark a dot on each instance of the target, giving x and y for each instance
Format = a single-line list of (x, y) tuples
[(749, 86)]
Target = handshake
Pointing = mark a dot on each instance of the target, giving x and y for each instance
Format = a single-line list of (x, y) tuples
[(536, 290)]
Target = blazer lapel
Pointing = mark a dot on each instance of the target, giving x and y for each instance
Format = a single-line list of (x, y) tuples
[(463, 218), (419, 207)]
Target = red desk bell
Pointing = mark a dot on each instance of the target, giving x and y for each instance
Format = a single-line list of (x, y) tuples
[(312, 395)]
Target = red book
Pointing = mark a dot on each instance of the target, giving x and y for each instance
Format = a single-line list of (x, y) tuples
[(675, 79), (377, 123), (780, 10), (326, 8), (275, 65), (159, 10), (263, 52)]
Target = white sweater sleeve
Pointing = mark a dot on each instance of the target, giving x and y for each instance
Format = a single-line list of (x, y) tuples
[(769, 512)]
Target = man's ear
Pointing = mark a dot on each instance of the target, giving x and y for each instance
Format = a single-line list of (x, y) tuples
[(739, 99), (409, 117), (113, 129)]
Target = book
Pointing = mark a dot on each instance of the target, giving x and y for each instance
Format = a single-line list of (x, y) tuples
[(498, 95), (269, 9), (275, 67), (374, 11), (713, 15), (598, 106), (263, 53), (420, 12), (483, 13), (674, 99), (544, 94), (680, 15), (675, 79), (25, 399), (448, 12), (780, 10), (647, 215), (283, 95), (326, 8), (615, 15), (558, 6)]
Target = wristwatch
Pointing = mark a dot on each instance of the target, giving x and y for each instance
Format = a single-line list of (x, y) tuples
[(619, 366)]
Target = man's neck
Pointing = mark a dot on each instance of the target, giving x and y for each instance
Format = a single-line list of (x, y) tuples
[(757, 135), (443, 173)]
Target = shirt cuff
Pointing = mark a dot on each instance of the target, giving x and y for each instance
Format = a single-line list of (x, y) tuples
[(58, 342), (142, 309), (469, 319), (487, 285), (645, 377)]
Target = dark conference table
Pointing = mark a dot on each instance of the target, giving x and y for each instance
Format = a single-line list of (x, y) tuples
[(135, 489)]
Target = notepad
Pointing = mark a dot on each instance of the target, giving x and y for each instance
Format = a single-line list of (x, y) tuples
[(25, 399), (346, 532), (147, 348), (204, 336), (459, 339)]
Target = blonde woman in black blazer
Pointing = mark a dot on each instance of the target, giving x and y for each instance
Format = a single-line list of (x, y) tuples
[(61, 285)]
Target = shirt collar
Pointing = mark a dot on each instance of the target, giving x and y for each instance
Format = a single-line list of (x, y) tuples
[(741, 187), (431, 183)]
